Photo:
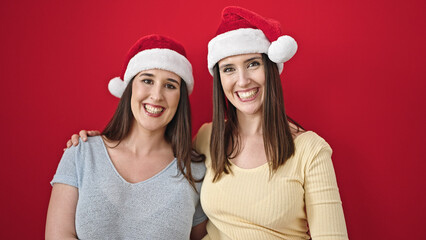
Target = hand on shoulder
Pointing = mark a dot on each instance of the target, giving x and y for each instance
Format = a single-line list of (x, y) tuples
[(83, 134)]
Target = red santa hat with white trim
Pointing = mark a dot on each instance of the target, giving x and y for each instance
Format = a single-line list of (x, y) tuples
[(242, 31), (153, 52)]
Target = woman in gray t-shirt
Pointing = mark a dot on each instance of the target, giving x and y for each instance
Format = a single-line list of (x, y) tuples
[(140, 179)]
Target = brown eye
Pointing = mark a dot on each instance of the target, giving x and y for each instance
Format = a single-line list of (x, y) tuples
[(228, 69), (254, 64), (170, 86), (147, 81)]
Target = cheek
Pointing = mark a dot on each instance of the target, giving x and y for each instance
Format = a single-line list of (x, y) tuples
[(136, 95), (136, 98), (174, 99), (262, 77), (260, 81), (226, 84), (134, 105)]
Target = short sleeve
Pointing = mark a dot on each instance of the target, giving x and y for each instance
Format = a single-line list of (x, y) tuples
[(66, 172), (199, 215), (199, 170), (323, 205), (201, 146)]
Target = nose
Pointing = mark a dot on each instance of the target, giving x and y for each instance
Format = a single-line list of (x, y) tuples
[(243, 78), (156, 93)]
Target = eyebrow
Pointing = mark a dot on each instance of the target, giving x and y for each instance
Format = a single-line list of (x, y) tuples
[(224, 66), (152, 75), (253, 58), (147, 74), (173, 80), (248, 60)]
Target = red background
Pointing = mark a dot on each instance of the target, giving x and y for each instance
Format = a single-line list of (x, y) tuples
[(358, 80)]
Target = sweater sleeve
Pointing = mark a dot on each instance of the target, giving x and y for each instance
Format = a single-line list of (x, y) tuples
[(323, 205), (199, 215), (66, 172)]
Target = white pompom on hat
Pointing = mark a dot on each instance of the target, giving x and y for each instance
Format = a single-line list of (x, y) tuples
[(153, 52), (242, 31)]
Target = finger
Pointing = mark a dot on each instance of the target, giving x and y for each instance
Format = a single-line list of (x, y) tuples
[(93, 133), (74, 139), (69, 144), (83, 135)]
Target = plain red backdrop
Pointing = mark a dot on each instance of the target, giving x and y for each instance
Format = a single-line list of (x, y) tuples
[(358, 80)]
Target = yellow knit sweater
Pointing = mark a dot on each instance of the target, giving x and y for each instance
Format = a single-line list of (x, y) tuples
[(249, 205)]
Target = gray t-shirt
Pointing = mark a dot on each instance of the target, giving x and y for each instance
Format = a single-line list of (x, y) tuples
[(164, 206)]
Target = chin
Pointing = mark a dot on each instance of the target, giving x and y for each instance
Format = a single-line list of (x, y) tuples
[(250, 111)]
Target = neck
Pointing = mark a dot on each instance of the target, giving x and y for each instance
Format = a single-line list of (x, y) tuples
[(249, 125), (144, 142)]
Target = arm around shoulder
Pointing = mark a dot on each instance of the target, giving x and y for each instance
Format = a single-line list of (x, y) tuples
[(199, 231)]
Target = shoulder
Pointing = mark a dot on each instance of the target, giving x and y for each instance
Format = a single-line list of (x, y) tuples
[(202, 139), (312, 152), (95, 141), (309, 144), (310, 138), (93, 144), (205, 130)]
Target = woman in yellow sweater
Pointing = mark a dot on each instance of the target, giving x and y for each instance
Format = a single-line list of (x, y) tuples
[(266, 178)]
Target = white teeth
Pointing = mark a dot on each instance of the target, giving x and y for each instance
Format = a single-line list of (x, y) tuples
[(248, 94), (153, 110)]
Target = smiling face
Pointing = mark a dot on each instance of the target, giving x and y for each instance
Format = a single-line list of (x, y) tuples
[(155, 98), (243, 82)]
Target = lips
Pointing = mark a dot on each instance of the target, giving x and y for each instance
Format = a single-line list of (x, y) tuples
[(247, 95), (153, 110)]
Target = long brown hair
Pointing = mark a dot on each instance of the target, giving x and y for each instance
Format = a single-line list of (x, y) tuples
[(178, 130), (277, 137)]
